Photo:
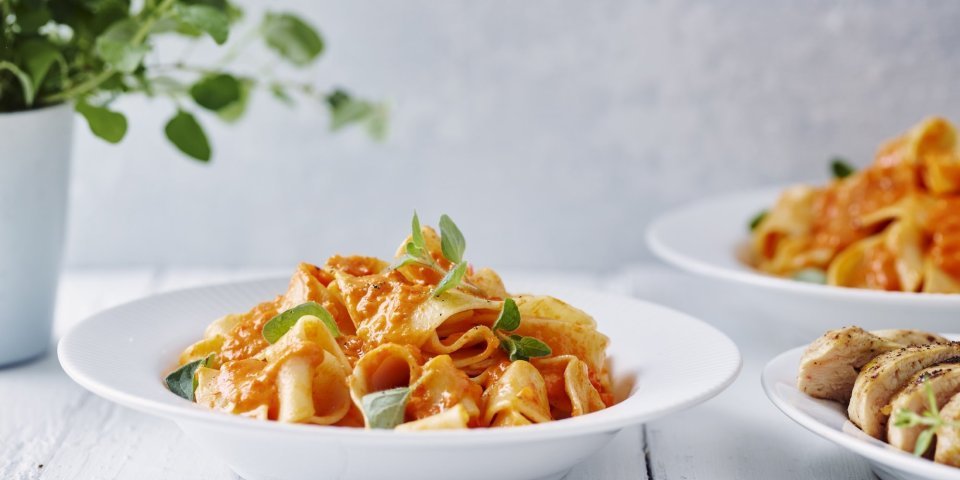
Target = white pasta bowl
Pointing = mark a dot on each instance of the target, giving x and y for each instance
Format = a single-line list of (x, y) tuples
[(707, 238), (662, 362), (829, 420)]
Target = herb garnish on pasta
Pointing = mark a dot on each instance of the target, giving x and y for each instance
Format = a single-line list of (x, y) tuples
[(425, 342)]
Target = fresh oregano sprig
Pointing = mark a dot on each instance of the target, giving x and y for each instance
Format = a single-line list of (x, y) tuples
[(452, 246), (840, 168), (183, 381), (757, 220), (276, 327), (385, 409), (930, 418), (92, 52), (517, 347)]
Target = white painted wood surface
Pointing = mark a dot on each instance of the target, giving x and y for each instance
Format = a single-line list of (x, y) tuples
[(50, 428)]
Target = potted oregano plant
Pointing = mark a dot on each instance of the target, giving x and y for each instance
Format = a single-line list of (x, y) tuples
[(58, 57)]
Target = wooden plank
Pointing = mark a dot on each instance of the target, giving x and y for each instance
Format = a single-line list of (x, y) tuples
[(739, 434), (622, 459), (40, 404)]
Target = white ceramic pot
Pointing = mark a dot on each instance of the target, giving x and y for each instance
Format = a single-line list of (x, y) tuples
[(35, 150)]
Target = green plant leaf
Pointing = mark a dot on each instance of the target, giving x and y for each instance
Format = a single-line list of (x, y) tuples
[(811, 275), (104, 123), (510, 344), (416, 233), (346, 110), (533, 348), (205, 18), (404, 261), (277, 326), (757, 220), (451, 279), (25, 83), (509, 319), (291, 37), (215, 92), (385, 409), (452, 242), (523, 348), (923, 441), (188, 136), (234, 111), (841, 168), (183, 381), (117, 48), (414, 251), (38, 56)]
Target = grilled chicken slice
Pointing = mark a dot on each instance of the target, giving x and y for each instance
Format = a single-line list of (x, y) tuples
[(948, 437), (885, 375), (943, 379), (829, 366), (909, 337)]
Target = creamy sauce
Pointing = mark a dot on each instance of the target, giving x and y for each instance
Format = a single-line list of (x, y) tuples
[(838, 209), (246, 339)]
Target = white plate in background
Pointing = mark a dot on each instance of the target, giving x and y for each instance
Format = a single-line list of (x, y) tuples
[(829, 420), (663, 361), (704, 238)]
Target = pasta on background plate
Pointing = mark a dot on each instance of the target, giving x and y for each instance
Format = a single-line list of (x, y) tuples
[(892, 226), (425, 343)]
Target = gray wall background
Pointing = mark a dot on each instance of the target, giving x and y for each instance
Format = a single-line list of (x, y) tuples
[(552, 132)]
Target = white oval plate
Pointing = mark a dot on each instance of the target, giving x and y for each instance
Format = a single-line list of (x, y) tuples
[(704, 238), (662, 362), (829, 420)]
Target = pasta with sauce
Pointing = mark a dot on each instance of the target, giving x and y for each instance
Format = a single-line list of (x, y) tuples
[(892, 226), (358, 342)]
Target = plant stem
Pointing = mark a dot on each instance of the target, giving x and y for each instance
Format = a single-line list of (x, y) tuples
[(238, 47), (82, 88)]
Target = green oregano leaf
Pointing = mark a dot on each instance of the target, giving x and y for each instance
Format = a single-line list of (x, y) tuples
[(277, 326), (532, 348), (291, 37), (26, 85), (451, 279), (416, 234), (212, 21), (757, 219), (923, 441), (116, 46), (524, 348), (104, 123), (404, 261), (185, 132), (215, 92), (509, 318), (840, 168), (183, 381), (510, 344), (385, 409), (39, 56), (233, 111), (452, 242)]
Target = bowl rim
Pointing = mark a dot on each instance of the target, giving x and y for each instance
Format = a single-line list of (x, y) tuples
[(658, 243), (883, 454), (610, 419)]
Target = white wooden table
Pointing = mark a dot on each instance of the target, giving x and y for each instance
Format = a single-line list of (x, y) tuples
[(50, 428)]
